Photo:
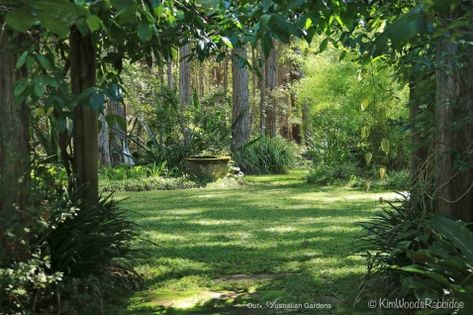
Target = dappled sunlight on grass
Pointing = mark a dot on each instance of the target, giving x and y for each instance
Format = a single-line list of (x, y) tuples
[(273, 225)]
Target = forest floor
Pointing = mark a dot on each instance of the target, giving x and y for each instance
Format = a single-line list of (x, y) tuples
[(274, 239)]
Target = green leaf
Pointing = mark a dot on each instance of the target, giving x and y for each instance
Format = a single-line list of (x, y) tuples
[(20, 87), (226, 41), (94, 22), (20, 20), (53, 24), (364, 103), (385, 145), (368, 157), (323, 44), (382, 172), (97, 101), (21, 61), (144, 31), (44, 62), (456, 232), (39, 88), (365, 132)]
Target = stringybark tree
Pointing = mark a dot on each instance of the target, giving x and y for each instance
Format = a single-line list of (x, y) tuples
[(184, 75), (270, 105), (169, 74), (454, 131), (85, 133), (14, 154), (241, 107)]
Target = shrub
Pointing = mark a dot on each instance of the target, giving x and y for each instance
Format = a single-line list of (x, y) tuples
[(86, 237), (150, 183), (351, 175), (74, 248), (329, 175), (412, 254), (265, 155)]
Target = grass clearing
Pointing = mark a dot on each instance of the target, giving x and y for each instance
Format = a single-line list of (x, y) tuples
[(274, 238)]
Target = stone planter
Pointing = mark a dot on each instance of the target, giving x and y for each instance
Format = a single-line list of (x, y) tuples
[(208, 168)]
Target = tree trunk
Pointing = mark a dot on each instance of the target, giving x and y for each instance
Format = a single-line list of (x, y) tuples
[(306, 123), (85, 133), (241, 107), (117, 133), (184, 75), (161, 75), (169, 74), (225, 75), (454, 132), (262, 102), (271, 104), (14, 156), (104, 141)]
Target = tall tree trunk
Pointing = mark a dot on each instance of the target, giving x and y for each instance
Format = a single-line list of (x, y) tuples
[(201, 73), (161, 75), (169, 73), (184, 75), (104, 141), (454, 133), (262, 100), (271, 104), (14, 155), (117, 133), (185, 89), (85, 133), (241, 107), (225, 75)]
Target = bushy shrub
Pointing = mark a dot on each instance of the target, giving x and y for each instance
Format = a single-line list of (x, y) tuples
[(265, 155), (74, 247), (134, 172), (415, 255), (330, 175), (350, 174), (86, 237), (149, 183)]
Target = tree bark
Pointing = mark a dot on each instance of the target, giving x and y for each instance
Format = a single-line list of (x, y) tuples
[(14, 155), (104, 141), (271, 104), (454, 132), (117, 134), (225, 75), (85, 133), (184, 75), (241, 107), (169, 74)]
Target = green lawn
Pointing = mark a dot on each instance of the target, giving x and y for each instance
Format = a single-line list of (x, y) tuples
[(217, 249)]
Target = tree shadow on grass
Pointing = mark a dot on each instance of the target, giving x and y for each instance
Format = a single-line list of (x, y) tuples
[(202, 235)]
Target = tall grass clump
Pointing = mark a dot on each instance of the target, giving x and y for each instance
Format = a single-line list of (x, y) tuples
[(265, 155)]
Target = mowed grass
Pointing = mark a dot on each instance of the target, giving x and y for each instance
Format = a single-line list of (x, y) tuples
[(214, 250)]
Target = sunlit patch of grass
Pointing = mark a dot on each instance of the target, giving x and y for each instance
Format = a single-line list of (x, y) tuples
[(272, 225)]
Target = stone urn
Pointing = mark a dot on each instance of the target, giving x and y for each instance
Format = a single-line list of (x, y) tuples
[(207, 168)]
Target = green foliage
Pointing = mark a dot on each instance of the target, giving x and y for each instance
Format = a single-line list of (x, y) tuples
[(133, 172), (207, 126), (329, 175), (265, 155), (413, 254), (86, 237), (355, 110), (147, 183)]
